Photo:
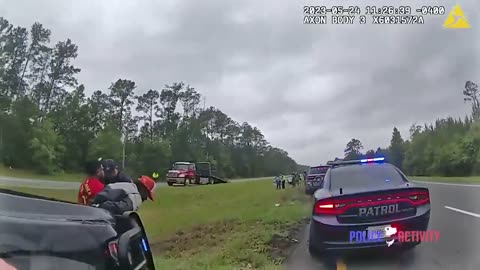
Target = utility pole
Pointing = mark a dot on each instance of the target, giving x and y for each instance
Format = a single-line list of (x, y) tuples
[(207, 133), (124, 139)]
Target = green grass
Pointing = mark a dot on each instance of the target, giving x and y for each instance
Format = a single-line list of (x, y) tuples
[(442, 179), (18, 173), (66, 177), (215, 227)]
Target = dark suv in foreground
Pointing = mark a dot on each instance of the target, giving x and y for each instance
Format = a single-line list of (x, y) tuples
[(314, 178), (41, 233)]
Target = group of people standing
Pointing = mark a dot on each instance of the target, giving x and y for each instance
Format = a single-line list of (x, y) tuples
[(107, 187), (293, 180)]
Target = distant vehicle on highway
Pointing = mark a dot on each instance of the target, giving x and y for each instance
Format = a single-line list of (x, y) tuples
[(314, 178), (42, 233), (366, 197)]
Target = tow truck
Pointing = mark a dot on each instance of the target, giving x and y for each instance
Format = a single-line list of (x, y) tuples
[(181, 173), (187, 173)]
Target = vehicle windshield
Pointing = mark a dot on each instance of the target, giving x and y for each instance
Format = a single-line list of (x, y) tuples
[(182, 167), (45, 262), (318, 170), (365, 176)]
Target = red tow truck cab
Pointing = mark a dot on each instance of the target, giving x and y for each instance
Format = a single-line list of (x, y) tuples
[(182, 173)]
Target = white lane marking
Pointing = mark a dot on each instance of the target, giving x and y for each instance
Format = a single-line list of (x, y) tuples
[(446, 184), (463, 211)]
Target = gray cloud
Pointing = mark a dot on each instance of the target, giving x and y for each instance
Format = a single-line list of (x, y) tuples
[(309, 88)]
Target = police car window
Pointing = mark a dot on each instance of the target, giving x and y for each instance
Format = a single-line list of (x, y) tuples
[(361, 176)]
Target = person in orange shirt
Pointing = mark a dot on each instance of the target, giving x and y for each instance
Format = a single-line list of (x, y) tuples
[(93, 184)]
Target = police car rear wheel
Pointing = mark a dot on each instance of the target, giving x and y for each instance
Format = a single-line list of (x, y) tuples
[(314, 251)]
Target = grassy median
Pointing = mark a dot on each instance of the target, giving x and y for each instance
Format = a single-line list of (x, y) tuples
[(226, 226)]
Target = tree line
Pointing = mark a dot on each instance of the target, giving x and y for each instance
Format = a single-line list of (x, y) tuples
[(49, 124), (448, 147)]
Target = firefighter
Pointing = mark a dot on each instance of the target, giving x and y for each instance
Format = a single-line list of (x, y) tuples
[(93, 184), (155, 176), (122, 197)]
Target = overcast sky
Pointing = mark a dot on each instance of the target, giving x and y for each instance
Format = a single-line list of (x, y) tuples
[(309, 88)]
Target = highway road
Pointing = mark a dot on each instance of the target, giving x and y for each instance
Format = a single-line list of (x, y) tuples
[(37, 183), (455, 212)]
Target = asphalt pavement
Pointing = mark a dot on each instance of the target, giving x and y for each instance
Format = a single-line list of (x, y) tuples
[(455, 213), (37, 183)]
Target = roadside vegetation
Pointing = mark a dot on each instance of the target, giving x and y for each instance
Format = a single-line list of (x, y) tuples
[(50, 123), (450, 147), (229, 226)]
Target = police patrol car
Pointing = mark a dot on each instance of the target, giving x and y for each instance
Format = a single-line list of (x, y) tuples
[(365, 195)]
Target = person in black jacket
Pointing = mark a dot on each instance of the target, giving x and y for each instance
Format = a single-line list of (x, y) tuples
[(121, 197), (113, 173)]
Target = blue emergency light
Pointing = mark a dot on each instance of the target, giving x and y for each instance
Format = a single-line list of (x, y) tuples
[(369, 160), (144, 244), (352, 162)]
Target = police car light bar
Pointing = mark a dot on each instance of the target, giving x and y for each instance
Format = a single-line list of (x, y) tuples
[(372, 159), (360, 161)]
